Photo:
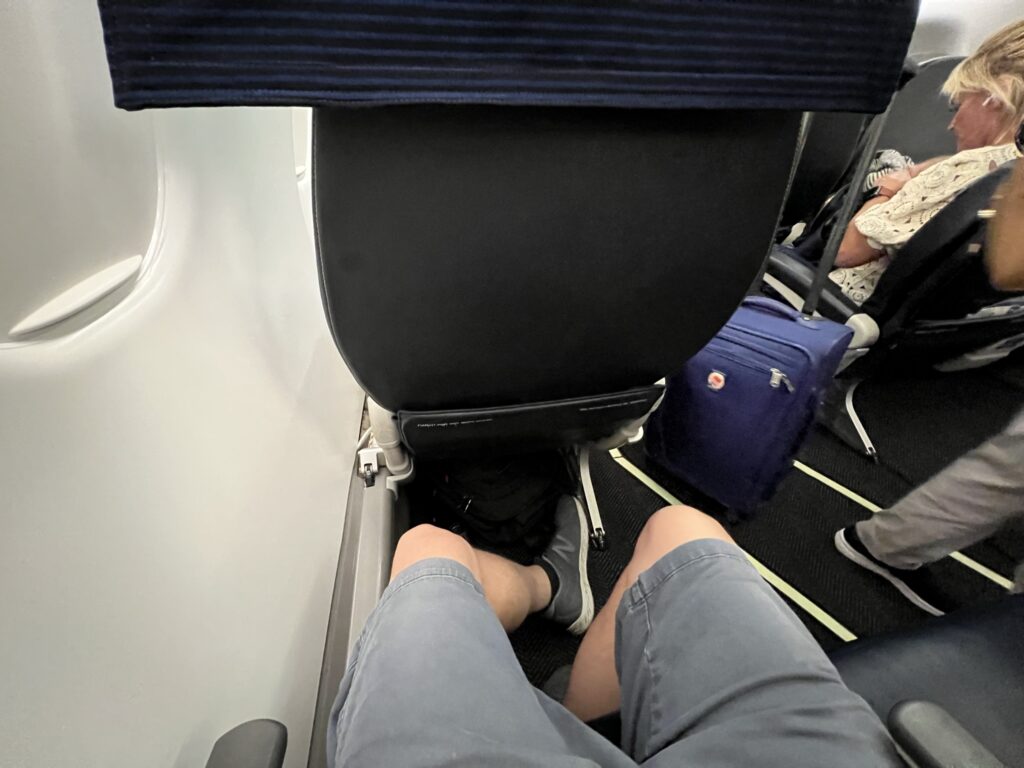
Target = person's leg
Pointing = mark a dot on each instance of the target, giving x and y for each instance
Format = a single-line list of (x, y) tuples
[(593, 683), (433, 680), (966, 502), (714, 667), (513, 591), (557, 584)]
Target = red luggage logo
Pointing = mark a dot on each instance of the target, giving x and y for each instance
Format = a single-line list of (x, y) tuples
[(716, 380)]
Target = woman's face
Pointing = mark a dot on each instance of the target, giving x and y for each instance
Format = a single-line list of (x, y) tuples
[(980, 121)]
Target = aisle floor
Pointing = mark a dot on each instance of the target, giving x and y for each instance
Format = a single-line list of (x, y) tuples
[(919, 424)]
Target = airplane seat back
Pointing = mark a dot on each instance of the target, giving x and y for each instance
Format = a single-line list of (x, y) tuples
[(917, 123)]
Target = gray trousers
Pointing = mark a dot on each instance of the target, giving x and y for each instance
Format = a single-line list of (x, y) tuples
[(966, 502)]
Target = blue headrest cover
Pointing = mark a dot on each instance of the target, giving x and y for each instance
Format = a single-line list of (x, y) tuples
[(819, 55)]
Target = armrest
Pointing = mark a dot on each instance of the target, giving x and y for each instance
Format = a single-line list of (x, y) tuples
[(792, 277), (865, 330), (255, 744), (931, 738)]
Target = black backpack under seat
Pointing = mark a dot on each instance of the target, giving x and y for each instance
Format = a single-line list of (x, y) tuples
[(499, 501)]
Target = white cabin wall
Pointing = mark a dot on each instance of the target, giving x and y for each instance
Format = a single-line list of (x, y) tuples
[(957, 27), (173, 467)]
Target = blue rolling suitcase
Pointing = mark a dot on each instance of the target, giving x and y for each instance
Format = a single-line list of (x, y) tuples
[(734, 417)]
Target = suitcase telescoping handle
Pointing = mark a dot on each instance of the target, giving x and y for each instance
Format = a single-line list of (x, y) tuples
[(773, 307)]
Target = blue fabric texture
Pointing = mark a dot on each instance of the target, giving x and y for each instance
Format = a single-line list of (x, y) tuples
[(821, 55)]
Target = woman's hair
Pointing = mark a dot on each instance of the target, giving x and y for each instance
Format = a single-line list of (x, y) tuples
[(997, 67)]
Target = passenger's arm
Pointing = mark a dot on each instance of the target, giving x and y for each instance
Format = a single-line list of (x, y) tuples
[(1004, 255), (916, 168), (855, 249)]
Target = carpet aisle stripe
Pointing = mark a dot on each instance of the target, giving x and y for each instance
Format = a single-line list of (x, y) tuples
[(963, 559), (776, 581)]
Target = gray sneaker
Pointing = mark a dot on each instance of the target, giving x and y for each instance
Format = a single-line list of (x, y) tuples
[(572, 604)]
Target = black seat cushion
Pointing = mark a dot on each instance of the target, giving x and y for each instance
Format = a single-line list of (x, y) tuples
[(971, 663)]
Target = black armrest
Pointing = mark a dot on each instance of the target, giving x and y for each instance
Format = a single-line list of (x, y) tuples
[(797, 275), (931, 738), (255, 744)]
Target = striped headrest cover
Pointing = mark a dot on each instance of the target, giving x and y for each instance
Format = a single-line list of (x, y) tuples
[(736, 54)]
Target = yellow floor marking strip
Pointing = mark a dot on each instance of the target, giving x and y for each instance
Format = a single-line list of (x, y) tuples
[(782, 586), (840, 489), (971, 563)]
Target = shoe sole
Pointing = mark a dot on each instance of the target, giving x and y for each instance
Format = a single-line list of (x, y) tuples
[(586, 617), (851, 554)]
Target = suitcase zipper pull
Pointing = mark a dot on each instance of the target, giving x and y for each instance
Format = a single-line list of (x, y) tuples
[(778, 377)]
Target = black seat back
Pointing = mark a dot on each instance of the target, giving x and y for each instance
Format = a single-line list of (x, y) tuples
[(828, 153), (560, 204), (487, 256), (919, 116), (546, 201), (970, 662)]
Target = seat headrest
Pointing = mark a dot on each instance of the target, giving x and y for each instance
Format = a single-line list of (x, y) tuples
[(916, 124), (821, 55)]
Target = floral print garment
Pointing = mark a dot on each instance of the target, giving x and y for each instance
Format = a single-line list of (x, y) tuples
[(891, 224)]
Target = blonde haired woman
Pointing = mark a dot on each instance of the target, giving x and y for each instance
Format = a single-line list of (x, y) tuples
[(986, 90)]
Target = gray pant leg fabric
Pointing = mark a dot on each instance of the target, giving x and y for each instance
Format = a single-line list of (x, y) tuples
[(717, 671), (434, 682), (966, 502)]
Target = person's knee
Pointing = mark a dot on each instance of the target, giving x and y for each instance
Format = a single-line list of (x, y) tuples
[(671, 527), (427, 541)]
